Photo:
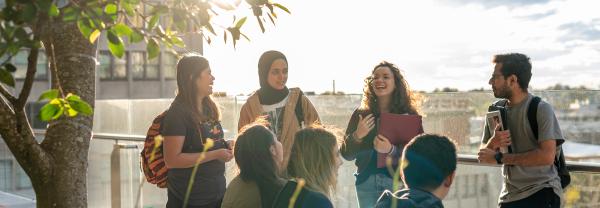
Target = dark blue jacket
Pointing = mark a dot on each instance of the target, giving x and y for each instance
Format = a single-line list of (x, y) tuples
[(305, 199)]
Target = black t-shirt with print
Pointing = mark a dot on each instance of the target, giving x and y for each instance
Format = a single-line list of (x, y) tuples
[(209, 183)]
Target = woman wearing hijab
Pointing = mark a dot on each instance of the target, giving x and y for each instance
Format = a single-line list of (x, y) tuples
[(286, 110)]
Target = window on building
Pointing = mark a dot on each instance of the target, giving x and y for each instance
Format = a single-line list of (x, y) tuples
[(6, 174), (105, 65), (119, 68), (142, 68), (152, 68), (169, 65), (137, 64), (22, 180)]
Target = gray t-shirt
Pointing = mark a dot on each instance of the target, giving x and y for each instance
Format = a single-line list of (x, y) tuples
[(519, 181)]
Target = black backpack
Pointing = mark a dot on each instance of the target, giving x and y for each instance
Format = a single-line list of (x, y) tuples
[(559, 160)]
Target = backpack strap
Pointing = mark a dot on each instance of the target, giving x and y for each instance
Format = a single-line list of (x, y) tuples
[(500, 103), (532, 115), (559, 159)]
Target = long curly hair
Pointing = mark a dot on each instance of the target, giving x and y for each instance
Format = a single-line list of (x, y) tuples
[(403, 99)]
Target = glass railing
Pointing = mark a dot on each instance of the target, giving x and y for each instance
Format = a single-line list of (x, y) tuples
[(114, 171)]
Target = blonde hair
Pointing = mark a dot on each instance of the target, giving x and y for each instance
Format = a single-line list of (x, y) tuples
[(313, 158)]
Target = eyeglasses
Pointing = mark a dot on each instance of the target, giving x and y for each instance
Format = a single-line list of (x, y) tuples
[(494, 76)]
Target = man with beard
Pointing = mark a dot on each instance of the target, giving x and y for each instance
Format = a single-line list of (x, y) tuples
[(529, 175)]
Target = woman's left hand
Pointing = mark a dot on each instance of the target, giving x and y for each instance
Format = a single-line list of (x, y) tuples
[(382, 144)]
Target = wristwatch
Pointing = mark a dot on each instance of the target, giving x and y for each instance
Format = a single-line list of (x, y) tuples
[(498, 157)]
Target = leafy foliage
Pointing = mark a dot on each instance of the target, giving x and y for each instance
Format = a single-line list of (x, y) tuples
[(159, 24)]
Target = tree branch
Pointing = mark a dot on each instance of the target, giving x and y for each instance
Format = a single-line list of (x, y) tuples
[(7, 95), (22, 143), (31, 69)]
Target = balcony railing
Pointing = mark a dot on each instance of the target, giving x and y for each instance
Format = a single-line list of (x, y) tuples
[(114, 168)]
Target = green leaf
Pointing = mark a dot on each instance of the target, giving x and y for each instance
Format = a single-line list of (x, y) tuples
[(61, 110), (128, 8), (10, 67), (71, 112), (152, 48), (110, 9), (153, 22), (53, 10), (210, 29), (112, 37), (29, 12), (81, 107), (84, 28), (282, 8), (7, 78), (115, 44), (78, 105), (49, 95), (44, 5), (72, 97), (178, 41), (122, 29), (135, 37), (70, 14), (13, 48), (241, 22), (94, 36), (50, 110)]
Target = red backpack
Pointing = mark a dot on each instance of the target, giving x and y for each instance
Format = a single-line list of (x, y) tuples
[(153, 162)]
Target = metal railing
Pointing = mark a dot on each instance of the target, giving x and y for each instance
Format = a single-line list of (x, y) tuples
[(122, 141), (572, 166)]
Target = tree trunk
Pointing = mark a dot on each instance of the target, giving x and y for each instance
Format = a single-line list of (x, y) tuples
[(67, 139)]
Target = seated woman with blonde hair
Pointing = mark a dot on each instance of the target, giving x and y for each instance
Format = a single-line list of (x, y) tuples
[(313, 165)]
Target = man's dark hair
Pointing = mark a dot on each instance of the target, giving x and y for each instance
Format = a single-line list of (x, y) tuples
[(517, 64), (427, 160)]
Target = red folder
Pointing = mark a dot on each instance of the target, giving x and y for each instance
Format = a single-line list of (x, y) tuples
[(399, 129)]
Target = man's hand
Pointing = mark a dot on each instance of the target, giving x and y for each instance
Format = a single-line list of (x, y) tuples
[(499, 139), (486, 155)]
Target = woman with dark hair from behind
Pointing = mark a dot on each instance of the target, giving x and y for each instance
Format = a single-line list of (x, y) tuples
[(314, 159), (192, 118), (385, 91), (258, 155)]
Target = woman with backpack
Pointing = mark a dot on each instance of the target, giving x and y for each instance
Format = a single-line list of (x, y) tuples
[(385, 91), (192, 118), (258, 156), (287, 110)]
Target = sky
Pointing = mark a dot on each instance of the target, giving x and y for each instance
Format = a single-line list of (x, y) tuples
[(436, 43)]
